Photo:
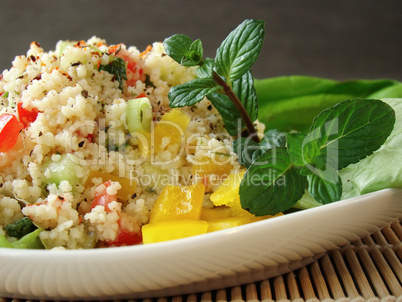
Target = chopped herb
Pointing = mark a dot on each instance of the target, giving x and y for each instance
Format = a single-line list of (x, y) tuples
[(20, 228), (117, 67), (150, 190), (148, 81)]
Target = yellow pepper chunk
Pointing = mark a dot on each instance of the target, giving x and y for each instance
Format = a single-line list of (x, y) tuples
[(227, 197), (178, 117), (169, 130), (220, 218), (227, 193), (170, 230), (216, 213), (178, 202), (127, 186), (172, 127), (225, 223), (208, 167)]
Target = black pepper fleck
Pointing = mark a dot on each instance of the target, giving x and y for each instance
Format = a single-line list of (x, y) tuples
[(84, 93)]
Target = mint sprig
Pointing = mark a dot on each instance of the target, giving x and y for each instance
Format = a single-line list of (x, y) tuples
[(239, 51), (282, 166), (272, 184), (184, 50), (228, 75), (339, 136)]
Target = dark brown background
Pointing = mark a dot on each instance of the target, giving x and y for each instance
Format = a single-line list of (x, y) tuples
[(339, 39)]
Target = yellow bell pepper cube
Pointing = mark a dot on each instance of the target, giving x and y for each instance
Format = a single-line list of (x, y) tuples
[(178, 117), (172, 127), (208, 166), (216, 213), (178, 202), (170, 230), (225, 223), (127, 186), (220, 218), (227, 193), (234, 221)]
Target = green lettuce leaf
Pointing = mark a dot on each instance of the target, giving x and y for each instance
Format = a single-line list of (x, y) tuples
[(291, 102), (380, 170)]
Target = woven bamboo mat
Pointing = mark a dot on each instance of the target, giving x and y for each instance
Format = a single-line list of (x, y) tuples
[(366, 270)]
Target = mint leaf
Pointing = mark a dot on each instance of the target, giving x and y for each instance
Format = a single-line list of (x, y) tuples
[(183, 50), (228, 111), (273, 138), (194, 55), (248, 150), (348, 132), (271, 184), (191, 92), (240, 49), (244, 89), (245, 148), (295, 142), (205, 70), (325, 186)]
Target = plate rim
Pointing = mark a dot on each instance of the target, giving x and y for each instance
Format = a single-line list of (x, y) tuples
[(203, 237)]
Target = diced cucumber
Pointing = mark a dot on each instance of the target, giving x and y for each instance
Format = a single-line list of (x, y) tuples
[(61, 46), (138, 115), (29, 241), (62, 169), (4, 242)]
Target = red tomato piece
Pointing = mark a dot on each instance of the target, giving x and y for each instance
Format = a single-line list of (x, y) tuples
[(102, 198), (10, 128), (133, 72), (141, 95), (26, 115), (124, 237)]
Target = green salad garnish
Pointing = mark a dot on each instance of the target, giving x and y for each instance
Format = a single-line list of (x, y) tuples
[(283, 164)]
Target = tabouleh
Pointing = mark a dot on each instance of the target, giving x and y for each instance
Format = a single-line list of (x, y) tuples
[(103, 145), (92, 144)]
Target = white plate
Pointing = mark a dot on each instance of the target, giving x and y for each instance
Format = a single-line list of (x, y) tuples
[(227, 258)]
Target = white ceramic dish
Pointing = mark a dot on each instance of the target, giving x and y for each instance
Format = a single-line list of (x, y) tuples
[(236, 256)]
